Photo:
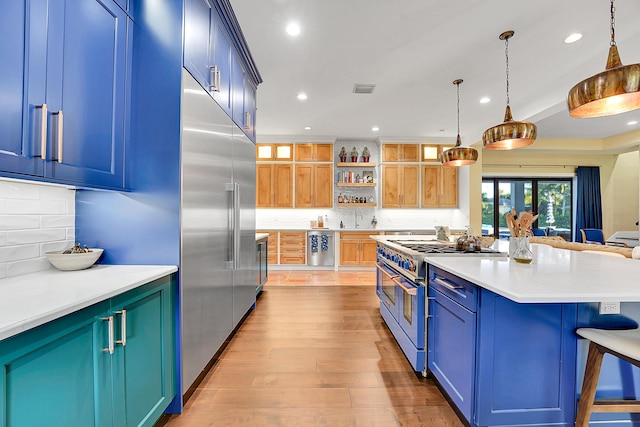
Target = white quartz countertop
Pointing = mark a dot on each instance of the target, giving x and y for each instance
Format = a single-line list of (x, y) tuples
[(261, 236), (33, 299), (554, 276)]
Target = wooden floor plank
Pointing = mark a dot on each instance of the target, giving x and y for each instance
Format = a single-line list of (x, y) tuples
[(315, 356)]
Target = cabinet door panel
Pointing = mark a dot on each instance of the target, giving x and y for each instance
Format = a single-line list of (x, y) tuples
[(430, 186), (197, 30), (391, 176), (368, 252), (57, 374), (264, 185), (283, 186), (87, 55), (449, 187), (304, 186), (19, 141), (323, 188), (410, 180), (304, 152), (410, 152), (324, 153), (221, 58), (349, 252), (139, 378)]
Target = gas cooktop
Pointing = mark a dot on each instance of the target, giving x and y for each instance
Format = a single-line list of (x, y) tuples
[(443, 248)]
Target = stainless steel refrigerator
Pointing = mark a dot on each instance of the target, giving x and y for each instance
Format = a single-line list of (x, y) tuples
[(217, 257)]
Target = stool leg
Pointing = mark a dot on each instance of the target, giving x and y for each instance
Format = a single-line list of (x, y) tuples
[(591, 374)]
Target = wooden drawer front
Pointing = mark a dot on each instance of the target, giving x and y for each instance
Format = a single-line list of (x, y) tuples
[(292, 247), (292, 259), (357, 234), (302, 235), (273, 258)]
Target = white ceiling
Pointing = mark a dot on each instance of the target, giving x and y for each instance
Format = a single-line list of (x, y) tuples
[(412, 50)]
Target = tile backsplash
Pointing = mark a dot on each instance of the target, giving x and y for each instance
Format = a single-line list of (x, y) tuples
[(34, 218)]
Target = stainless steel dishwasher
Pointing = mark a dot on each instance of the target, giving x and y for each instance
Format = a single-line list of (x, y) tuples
[(320, 248)]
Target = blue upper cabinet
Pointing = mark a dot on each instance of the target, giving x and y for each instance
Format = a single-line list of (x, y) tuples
[(216, 55), (68, 120)]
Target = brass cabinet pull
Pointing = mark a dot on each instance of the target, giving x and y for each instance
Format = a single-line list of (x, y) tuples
[(447, 284), (409, 291)]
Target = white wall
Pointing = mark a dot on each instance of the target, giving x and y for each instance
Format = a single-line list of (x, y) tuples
[(34, 219)]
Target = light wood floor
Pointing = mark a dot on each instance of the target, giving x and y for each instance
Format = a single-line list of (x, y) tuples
[(315, 354)]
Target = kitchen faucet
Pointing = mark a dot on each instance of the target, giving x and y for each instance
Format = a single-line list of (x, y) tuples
[(358, 213)]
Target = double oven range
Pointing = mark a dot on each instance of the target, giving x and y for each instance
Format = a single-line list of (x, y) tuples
[(401, 286)]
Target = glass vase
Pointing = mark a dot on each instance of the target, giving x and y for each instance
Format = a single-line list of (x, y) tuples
[(521, 250)]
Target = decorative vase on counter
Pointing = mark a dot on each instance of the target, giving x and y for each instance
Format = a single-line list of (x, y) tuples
[(343, 155), (354, 155), (520, 250)]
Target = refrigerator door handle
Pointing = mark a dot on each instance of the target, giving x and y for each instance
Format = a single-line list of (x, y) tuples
[(236, 223), (231, 260)]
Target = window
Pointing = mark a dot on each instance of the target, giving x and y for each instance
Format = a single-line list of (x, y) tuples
[(549, 198)]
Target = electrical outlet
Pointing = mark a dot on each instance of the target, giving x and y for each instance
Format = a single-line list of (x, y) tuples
[(609, 308)]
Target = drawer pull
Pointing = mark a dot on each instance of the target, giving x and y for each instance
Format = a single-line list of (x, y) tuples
[(390, 276), (447, 284), (410, 291), (123, 328)]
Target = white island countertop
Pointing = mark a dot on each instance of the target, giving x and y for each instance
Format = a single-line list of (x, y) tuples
[(33, 299), (554, 276)]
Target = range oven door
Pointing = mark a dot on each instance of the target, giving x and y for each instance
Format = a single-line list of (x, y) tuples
[(411, 310), (386, 288)]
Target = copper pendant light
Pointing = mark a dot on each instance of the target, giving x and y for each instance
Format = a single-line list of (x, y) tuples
[(458, 155), (512, 133), (615, 90)]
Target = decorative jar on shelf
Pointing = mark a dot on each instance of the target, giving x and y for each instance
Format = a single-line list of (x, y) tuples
[(365, 155), (343, 155), (354, 155)]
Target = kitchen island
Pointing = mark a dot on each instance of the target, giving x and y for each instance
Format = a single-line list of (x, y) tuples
[(501, 340)]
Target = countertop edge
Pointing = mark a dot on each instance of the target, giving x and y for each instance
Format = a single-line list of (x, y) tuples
[(122, 278)]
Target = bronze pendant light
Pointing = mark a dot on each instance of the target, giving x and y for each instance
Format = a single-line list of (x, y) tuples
[(615, 90), (457, 155), (511, 134)]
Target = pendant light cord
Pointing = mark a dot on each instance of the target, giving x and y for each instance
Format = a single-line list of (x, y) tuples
[(506, 54), (613, 25), (458, 88)]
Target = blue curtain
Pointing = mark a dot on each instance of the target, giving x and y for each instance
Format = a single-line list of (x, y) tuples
[(589, 200)]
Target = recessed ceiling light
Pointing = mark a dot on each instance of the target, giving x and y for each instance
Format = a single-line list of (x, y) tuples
[(632, 122), (302, 96), (307, 128), (442, 130), (293, 29), (572, 38), (375, 128), (485, 100)]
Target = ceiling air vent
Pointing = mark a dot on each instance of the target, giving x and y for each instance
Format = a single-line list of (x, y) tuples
[(363, 88)]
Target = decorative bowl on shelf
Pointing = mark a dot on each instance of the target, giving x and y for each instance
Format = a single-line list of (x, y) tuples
[(74, 261)]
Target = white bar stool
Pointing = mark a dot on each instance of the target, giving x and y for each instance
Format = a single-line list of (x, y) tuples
[(624, 344)]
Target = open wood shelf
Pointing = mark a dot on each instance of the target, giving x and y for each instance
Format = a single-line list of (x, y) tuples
[(353, 184), (356, 205), (356, 164)]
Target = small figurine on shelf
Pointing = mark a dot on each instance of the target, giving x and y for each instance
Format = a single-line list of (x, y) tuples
[(343, 155), (365, 155), (354, 155), (374, 222), (340, 199)]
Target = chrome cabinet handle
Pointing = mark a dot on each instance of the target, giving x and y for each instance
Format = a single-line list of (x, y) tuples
[(123, 327), (446, 284), (60, 134), (109, 349), (230, 264), (409, 291), (215, 78), (247, 120), (386, 273), (43, 131)]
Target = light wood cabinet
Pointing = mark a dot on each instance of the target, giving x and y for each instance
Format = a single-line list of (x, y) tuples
[(400, 186), (400, 153), (314, 153), (272, 246), (356, 248), (274, 152), (314, 185), (439, 186), (274, 185), (292, 247)]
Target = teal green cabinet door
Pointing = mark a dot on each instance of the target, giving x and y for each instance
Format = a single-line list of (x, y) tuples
[(143, 370), (58, 374)]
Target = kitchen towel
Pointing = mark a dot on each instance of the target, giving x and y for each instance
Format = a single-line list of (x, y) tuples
[(635, 253)]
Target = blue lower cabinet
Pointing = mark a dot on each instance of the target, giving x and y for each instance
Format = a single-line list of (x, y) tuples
[(64, 374)]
